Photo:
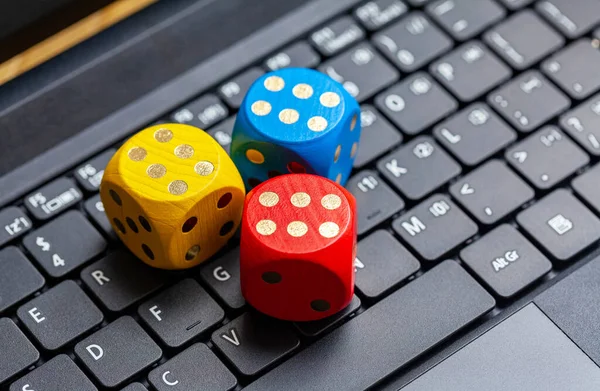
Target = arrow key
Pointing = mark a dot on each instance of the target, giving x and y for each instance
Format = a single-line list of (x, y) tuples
[(491, 192), (254, 342), (64, 244)]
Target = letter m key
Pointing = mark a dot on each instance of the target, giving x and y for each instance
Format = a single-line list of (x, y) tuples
[(414, 226)]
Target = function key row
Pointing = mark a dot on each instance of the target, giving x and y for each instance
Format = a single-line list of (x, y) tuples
[(89, 175), (464, 20), (53, 198)]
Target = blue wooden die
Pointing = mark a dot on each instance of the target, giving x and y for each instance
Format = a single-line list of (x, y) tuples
[(296, 120)]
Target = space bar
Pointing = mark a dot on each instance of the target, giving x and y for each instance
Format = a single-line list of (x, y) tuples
[(387, 336)]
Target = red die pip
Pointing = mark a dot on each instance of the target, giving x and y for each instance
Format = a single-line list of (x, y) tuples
[(298, 245)]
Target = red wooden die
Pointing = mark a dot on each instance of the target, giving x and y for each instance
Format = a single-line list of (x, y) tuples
[(298, 245)]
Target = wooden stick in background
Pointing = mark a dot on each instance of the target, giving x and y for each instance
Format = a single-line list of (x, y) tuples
[(69, 37)]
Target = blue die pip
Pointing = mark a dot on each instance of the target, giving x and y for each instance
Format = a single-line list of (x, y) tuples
[(296, 120)]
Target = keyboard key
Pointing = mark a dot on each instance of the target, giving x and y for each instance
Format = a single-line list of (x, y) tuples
[(575, 68), (546, 157), (382, 264), (506, 261), (254, 342), (377, 136), (53, 198), (561, 224), (337, 36), (361, 71), (196, 368), (375, 201), (435, 227), (523, 39), (118, 352), (317, 327), (13, 224), (89, 175), (528, 101), (573, 19), (223, 276), (298, 55), (95, 209), (412, 42), (181, 313), (474, 134), (119, 280), (202, 113), (470, 71), (17, 352), (60, 373), (465, 19), (233, 91), (491, 192), (398, 327), (18, 278), (515, 4), (415, 103), (222, 133), (60, 315), (583, 124), (418, 168), (587, 187), (379, 13), (135, 387), (64, 244)]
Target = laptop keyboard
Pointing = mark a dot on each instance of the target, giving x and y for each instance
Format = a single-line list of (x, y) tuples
[(480, 135)]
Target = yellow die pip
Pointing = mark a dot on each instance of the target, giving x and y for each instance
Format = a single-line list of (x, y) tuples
[(173, 195)]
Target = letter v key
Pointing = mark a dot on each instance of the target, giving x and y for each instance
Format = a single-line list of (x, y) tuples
[(233, 339)]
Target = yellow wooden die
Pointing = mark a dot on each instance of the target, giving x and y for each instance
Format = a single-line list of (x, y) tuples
[(173, 195)]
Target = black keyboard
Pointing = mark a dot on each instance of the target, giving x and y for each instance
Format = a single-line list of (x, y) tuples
[(476, 183)]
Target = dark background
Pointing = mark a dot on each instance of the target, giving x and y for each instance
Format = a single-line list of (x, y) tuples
[(92, 80), (23, 23)]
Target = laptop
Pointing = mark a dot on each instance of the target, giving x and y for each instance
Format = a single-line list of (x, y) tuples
[(477, 186)]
